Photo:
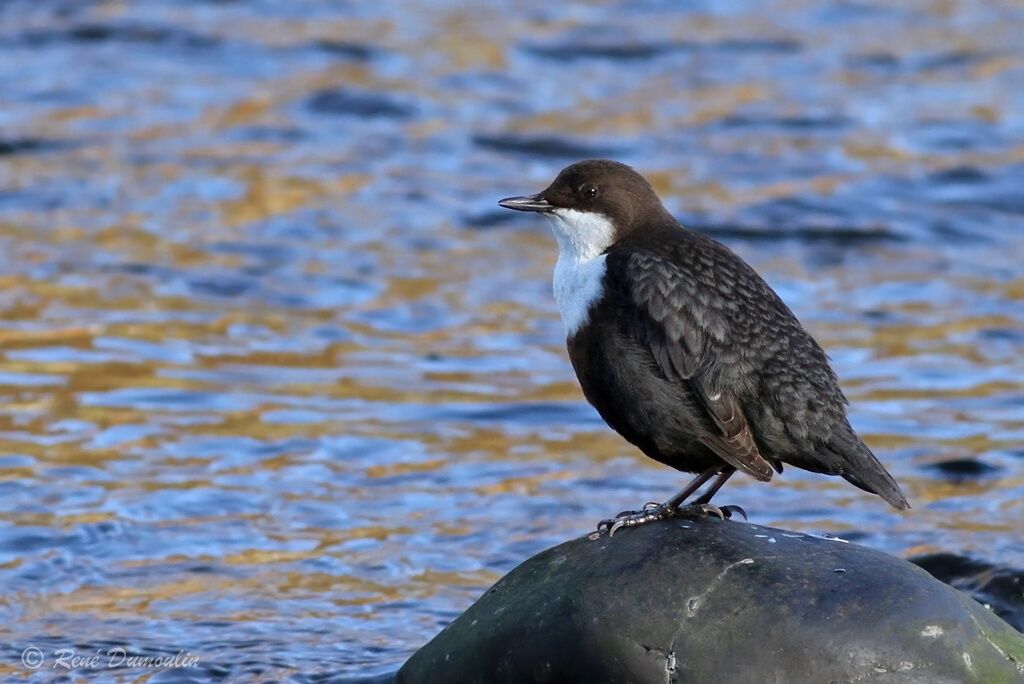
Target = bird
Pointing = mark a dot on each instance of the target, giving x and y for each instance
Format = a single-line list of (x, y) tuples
[(686, 351)]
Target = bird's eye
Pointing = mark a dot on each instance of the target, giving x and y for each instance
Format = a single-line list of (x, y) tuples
[(588, 191)]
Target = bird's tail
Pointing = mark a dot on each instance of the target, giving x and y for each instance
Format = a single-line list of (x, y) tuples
[(862, 469)]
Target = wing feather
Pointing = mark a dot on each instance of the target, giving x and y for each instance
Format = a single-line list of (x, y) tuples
[(681, 337)]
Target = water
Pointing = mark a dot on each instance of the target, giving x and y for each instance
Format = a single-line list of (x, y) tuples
[(284, 389)]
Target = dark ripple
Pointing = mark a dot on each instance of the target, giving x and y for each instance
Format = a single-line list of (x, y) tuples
[(769, 45), (30, 145), (118, 33), (221, 286), (955, 135), (950, 60), (782, 210), (959, 175), (809, 234), (886, 63), (98, 533), (538, 413), (785, 122), (139, 268), (488, 219), (573, 50), (359, 52), (874, 61), (1009, 203), (1014, 335), (544, 146), (963, 469), (25, 540), (284, 134), (366, 104)]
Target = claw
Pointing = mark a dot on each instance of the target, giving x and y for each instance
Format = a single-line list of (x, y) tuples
[(713, 510), (616, 526), (730, 509)]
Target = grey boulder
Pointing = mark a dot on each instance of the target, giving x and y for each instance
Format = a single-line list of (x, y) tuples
[(719, 601)]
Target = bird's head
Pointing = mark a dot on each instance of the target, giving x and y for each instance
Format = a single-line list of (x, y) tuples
[(592, 204)]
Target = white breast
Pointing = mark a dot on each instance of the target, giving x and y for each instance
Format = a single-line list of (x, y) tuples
[(577, 287), (578, 280)]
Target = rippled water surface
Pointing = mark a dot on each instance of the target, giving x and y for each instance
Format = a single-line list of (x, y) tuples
[(283, 388)]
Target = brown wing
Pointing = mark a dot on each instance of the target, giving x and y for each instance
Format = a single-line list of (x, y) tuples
[(678, 335), (736, 444)]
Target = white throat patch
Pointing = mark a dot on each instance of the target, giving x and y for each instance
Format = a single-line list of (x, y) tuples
[(582, 238)]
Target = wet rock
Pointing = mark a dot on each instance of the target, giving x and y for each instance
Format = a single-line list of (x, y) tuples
[(998, 587), (719, 601)]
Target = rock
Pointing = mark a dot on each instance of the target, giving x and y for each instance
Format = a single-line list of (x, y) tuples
[(998, 587), (719, 601)]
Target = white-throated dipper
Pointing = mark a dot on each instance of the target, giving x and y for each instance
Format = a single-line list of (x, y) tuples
[(685, 350)]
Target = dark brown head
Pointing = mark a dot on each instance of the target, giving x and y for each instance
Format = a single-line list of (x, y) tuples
[(595, 203)]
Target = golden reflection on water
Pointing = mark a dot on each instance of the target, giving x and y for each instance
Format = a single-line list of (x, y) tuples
[(258, 367)]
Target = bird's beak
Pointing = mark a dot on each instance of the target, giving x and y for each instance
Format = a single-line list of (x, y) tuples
[(529, 203)]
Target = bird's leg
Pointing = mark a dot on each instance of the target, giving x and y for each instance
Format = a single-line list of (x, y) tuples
[(704, 502), (686, 492), (652, 511), (723, 475)]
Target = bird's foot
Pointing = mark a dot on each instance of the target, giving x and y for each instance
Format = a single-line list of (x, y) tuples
[(650, 512), (655, 511)]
